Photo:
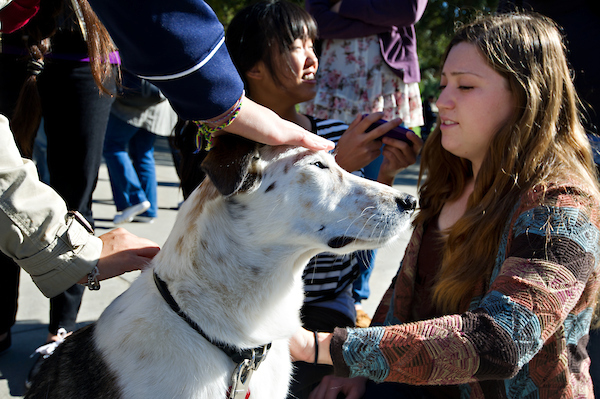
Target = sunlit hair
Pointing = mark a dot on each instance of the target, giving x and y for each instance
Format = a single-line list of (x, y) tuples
[(264, 30), (543, 143)]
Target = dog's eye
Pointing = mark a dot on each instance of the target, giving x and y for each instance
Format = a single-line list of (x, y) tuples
[(320, 165)]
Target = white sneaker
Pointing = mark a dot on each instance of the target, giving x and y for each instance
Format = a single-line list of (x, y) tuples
[(129, 213), (144, 219)]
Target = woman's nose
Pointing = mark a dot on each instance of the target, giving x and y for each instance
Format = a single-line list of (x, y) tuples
[(444, 100), (311, 58)]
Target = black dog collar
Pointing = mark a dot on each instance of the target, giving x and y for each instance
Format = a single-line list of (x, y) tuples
[(236, 354)]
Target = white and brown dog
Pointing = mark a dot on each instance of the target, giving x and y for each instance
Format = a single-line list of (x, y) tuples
[(223, 295)]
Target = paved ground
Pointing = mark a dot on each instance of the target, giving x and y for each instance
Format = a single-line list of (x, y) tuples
[(31, 328)]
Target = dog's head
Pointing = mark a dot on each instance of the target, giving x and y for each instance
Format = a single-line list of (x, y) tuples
[(291, 191)]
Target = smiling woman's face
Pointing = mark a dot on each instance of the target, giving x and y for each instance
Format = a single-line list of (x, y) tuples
[(474, 103)]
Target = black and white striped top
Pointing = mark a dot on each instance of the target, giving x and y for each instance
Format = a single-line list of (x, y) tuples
[(327, 274)]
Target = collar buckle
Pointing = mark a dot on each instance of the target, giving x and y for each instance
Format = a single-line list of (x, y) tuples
[(240, 379)]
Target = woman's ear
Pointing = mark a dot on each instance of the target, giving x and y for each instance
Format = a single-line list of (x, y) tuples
[(256, 72)]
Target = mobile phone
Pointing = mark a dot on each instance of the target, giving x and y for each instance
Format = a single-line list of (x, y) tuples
[(398, 133)]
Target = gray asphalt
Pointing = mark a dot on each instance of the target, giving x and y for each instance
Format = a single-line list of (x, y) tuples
[(30, 329)]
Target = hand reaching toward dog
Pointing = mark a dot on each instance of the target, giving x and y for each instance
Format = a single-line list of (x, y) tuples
[(262, 125), (123, 252)]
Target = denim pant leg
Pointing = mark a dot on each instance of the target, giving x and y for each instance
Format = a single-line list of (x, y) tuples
[(126, 188), (360, 287), (141, 151), (366, 258)]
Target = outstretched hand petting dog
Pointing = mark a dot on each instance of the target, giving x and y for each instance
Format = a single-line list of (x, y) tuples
[(262, 125), (123, 252)]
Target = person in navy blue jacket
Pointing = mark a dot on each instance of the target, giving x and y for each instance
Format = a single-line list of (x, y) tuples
[(179, 47)]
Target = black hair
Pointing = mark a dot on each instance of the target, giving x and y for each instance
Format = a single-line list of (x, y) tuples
[(266, 28)]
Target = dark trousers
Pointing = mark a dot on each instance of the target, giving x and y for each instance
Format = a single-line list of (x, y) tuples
[(75, 117)]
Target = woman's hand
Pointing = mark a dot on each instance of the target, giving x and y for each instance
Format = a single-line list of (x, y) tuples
[(398, 155), (262, 125), (123, 252), (331, 386), (356, 149)]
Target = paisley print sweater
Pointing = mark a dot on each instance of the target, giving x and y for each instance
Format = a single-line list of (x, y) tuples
[(524, 335)]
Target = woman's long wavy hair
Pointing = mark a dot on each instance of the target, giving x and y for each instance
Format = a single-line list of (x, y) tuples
[(544, 142), (38, 33)]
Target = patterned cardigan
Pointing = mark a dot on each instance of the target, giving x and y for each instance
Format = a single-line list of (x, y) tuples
[(525, 337)]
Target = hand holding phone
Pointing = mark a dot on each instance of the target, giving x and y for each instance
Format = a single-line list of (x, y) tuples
[(398, 133)]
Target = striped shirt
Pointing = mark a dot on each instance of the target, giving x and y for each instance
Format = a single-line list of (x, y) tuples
[(327, 274)]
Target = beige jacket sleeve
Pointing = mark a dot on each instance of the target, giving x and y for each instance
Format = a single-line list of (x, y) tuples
[(55, 250)]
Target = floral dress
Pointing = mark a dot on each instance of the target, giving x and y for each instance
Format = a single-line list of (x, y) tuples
[(353, 79)]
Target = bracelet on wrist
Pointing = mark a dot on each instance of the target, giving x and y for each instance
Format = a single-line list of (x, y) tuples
[(92, 280), (316, 334), (206, 128)]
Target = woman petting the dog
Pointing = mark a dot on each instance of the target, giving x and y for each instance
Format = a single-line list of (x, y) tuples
[(497, 288), (271, 44)]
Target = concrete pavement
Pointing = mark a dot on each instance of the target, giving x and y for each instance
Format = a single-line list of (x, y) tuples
[(30, 329)]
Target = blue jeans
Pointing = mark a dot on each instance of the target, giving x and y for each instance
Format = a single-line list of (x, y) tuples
[(129, 156), (366, 258)]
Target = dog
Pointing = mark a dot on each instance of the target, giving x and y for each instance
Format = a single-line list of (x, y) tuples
[(212, 315)]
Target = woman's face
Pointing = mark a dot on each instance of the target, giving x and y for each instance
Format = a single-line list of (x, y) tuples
[(474, 103), (297, 73)]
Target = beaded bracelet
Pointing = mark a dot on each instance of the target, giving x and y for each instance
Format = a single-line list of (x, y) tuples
[(204, 130)]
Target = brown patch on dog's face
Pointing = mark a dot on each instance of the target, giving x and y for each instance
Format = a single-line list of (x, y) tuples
[(303, 178)]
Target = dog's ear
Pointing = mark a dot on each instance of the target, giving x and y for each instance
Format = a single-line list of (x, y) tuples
[(229, 164)]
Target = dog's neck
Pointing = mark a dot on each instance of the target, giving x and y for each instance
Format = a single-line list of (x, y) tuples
[(231, 286)]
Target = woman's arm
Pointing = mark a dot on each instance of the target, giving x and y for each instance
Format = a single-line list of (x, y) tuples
[(37, 232), (260, 124), (357, 18), (335, 26), (543, 282), (384, 12)]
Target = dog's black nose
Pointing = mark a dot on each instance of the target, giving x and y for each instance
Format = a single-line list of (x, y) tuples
[(408, 203)]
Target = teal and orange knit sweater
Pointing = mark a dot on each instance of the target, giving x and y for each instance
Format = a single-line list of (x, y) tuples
[(524, 337)]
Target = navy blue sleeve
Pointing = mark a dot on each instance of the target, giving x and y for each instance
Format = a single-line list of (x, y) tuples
[(178, 46)]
